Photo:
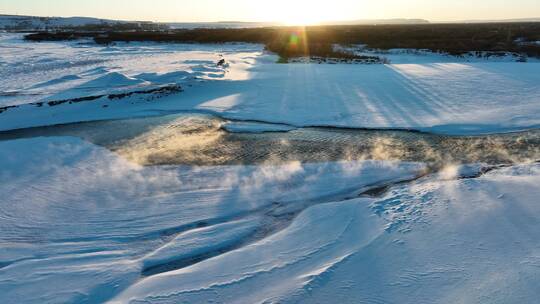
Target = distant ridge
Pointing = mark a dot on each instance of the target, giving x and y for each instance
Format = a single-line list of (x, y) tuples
[(34, 22), (502, 20), (220, 24), (247, 24), (22, 22), (378, 21)]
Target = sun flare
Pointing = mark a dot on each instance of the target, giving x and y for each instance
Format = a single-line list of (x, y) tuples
[(299, 13)]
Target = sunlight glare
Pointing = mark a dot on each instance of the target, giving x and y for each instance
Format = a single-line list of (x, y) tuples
[(301, 12)]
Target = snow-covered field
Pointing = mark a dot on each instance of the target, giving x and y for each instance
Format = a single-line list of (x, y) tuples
[(81, 224), (442, 96), (42, 72)]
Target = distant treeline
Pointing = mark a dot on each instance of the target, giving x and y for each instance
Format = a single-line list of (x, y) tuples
[(289, 42)]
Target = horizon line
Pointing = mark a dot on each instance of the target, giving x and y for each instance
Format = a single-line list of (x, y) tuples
[(278, 22)]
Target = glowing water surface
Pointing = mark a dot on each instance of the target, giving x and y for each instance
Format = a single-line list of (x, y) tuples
[(195, 139)]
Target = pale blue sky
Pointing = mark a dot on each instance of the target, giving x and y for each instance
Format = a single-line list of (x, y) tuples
[(291, 11)]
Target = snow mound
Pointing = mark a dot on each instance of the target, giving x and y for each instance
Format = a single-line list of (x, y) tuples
[(56, 81), (172, 77), (113, 79)]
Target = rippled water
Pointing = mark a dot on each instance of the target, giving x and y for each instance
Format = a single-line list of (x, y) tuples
[(192, 139)]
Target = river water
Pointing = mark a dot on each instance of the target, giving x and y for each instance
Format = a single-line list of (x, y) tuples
[(196, 139)]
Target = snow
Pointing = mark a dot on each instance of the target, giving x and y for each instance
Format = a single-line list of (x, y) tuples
[(416, 56), (451, 98), (42, 72), (437, 241), (201, 241), (426, 92), (277, 266), (80, 224)]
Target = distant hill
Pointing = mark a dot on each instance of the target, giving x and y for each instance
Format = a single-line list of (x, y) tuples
[(520, 20), (32, 22), (378, 21), (220, 24), (18, 22), (240, 24)]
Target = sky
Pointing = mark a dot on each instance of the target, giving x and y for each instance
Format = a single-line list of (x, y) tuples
[(286, 11)]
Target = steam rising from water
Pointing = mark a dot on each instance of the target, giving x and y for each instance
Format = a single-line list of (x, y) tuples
[(182, 139), (200, 140)]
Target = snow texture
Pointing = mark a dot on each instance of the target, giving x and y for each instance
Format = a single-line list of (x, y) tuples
[(442, 241)]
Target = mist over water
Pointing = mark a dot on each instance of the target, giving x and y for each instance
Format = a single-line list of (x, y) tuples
[(193, 139)]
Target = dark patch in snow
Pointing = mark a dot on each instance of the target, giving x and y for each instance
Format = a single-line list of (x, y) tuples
[(3, 109), (162, 91), (155, 92), (186, 262)]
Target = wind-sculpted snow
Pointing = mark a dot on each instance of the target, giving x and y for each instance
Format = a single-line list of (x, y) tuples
[(42, 72), (461, 241), (202, 241), (273, 268), (79, 224)]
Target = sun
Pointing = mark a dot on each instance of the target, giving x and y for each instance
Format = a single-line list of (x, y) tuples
[(308, 12), (302, 17), (298, 12), (302, 20)]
